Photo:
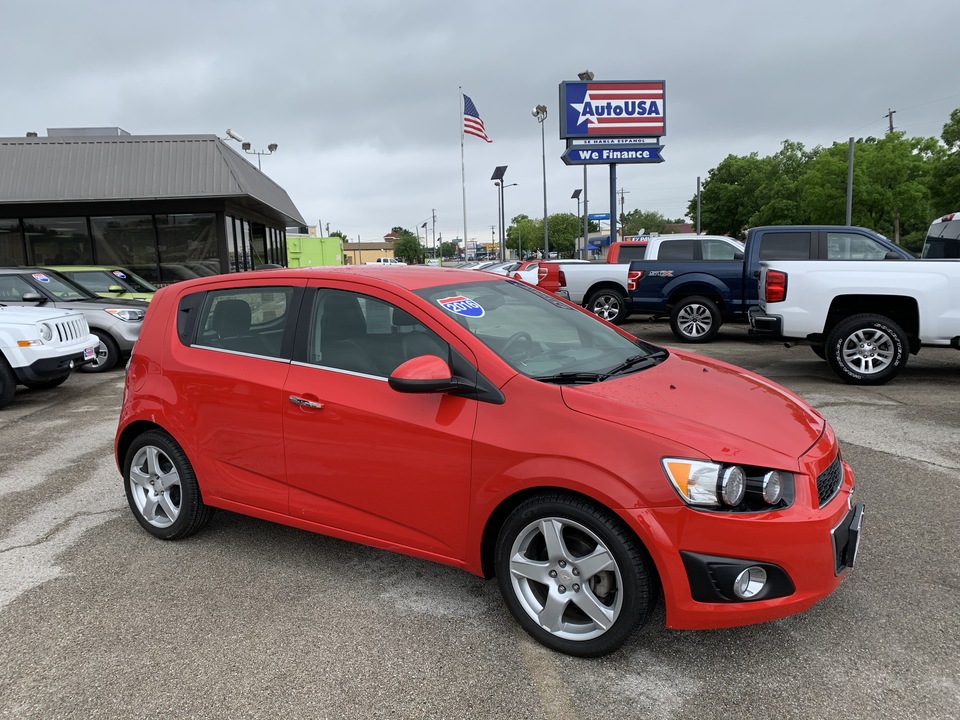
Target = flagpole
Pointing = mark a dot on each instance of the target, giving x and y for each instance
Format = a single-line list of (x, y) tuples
[(463, 177)]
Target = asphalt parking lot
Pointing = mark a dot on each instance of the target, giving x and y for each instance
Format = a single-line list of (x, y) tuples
[(254, 620)]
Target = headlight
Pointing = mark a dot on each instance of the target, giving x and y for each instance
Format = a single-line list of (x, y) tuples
[(732, 487), (127, 314), (46, 332)]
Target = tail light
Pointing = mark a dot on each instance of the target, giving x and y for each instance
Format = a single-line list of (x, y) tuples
[(562, 278), (517, 276), (541, 273), (775, 286), (633, 277)]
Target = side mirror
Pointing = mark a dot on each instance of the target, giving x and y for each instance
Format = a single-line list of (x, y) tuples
[(424, 374), (33, 297), (115, 289)]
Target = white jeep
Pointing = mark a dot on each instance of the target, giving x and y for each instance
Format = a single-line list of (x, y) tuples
[(39, 347)]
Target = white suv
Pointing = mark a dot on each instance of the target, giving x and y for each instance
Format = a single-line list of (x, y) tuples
[(39, 347)]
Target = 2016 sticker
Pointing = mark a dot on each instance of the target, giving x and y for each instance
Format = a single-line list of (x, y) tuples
[(460, 305)]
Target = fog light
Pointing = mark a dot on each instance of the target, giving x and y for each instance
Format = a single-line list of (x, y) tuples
[(772, 488), (750, 582)]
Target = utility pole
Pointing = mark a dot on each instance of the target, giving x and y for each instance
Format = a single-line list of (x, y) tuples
[(623, 216), (433, 214), (889, 116)]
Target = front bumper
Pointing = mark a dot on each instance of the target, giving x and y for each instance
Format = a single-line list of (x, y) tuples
[(804, 549), (53, 367)]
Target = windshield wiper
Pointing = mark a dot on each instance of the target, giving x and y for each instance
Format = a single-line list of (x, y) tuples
[(633, 361), (571, 378)]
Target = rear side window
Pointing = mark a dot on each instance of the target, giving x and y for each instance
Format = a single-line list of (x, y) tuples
[(787, 246), (251, 321), (678, 250), (628, 253)]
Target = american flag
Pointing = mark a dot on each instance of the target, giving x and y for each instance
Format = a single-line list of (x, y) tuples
[(472, 124)]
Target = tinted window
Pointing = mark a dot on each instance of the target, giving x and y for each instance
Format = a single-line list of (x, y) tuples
[(628, 253), (943, 241), (246, 320), (853, 246), (678, 250), (786, 246)]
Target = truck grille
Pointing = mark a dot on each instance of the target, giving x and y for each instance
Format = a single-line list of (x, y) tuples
[(829, 481), (70, 330)]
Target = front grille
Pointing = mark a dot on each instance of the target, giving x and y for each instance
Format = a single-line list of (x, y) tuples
[(829, 481), (71, 330)]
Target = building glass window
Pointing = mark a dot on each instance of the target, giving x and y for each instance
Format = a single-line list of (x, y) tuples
[(11, 244), (231, 243), (187, 246), (59, 241), (243, 245), (126, 240), (258, 244)]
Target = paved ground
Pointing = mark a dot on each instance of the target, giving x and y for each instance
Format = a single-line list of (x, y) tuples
[(253, 620)]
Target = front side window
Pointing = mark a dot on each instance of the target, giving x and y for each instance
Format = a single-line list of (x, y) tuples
[(721, 250), (537, 334), (853, 246), (251, 321), (366, 335)]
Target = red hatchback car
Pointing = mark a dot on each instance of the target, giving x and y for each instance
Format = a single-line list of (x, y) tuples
[(477, 421)]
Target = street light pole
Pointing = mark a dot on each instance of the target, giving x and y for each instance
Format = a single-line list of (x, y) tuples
[(540, 113), (576, 196), (497, 177)]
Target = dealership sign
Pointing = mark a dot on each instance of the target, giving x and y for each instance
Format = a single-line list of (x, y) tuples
[(623, 153), (613, 109)]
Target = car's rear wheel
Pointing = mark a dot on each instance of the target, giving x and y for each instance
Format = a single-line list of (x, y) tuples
[(162, 488), (48, 383), (867, 349), (609, 304), (695, 319), (106, 354), (573, 575)]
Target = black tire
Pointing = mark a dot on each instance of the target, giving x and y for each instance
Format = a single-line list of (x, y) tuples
[(107, 354), (609, 304), (819, 351), (695, 319), (867, 349), (48, 383), (175, 510), (530, 575), (8, 383)]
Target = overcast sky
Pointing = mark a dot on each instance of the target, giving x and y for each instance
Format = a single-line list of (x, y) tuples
[(362, 96)]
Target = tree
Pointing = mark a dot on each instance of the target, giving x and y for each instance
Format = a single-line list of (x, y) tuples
[(340, 234), (945, 175), (648, 221), (728, 195), (407, 246)]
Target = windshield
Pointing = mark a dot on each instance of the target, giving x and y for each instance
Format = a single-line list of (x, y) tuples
[(60, 287), (133, 281), (539, 335)]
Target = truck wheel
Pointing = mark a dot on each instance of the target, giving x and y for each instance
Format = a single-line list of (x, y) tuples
[(47, 384), (695, 319), (8, 383), (609, 304), (867, 349), (572, 575), (107, 354)]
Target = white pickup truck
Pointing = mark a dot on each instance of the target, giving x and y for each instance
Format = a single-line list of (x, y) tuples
[(385, 261), (863, 317), (40, 346), (603, 287)]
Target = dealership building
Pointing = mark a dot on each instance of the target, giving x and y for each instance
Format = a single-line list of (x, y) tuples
[(167, 207)]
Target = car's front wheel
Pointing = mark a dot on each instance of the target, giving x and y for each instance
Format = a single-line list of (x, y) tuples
[(573, 575), (106, 354), (162, 488)]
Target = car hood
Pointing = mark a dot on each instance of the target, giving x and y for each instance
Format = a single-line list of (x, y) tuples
[(725, 412), (18, 315)]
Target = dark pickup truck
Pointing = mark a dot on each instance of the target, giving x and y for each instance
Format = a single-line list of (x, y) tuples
[(699, 293)]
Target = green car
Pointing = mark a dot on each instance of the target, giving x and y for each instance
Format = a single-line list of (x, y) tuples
[(108, 281)]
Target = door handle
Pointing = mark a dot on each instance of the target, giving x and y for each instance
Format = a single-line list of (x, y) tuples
[(303, 402)]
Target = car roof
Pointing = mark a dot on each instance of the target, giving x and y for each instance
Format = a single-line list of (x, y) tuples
[(410, 277)]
